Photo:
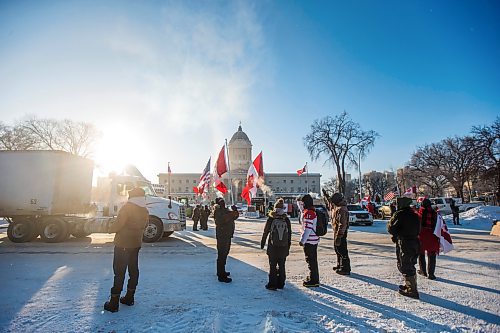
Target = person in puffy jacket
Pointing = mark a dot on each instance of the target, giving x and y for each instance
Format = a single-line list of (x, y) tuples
[(428, 241), (340, 223), (404, 226), (277, 253), (309, 240), (129, 227)]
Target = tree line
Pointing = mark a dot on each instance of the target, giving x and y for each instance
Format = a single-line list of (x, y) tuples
[(470, 162), (75, 137)]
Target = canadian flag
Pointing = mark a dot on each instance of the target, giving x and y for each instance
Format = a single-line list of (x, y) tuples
[(301, 171), (255, 172), (441, 231), (219, 170)]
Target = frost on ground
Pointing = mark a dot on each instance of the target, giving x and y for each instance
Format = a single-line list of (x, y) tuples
[(62, 287)]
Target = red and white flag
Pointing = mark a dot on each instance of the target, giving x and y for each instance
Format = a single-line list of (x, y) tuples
[(301, 171), (441, 231), (219, 170), (255, 175), (204, 180)]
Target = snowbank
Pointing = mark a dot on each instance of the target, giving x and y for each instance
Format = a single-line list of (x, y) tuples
[(479, 218)]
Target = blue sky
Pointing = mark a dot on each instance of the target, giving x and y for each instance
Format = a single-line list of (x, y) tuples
[(170, 80)]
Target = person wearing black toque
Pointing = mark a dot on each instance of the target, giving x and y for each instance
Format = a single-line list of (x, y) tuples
[(224, 230), (340, 223)]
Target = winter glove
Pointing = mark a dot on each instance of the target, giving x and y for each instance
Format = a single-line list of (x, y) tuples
[(394, 239), (338, 240), (301, 244), (262, 244)]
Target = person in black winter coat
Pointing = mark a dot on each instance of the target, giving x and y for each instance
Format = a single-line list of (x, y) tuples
[(196, 217), (404, 226), (224, 230), (277, 253)]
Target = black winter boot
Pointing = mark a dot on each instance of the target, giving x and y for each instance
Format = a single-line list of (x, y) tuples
[(411, 287), (421, 264), (112, 305), (128, 299), (432, 267)]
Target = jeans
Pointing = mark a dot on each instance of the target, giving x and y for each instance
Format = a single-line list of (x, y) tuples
[(123, 259)]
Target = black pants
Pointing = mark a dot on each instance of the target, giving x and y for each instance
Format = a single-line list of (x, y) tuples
[(407, 256), (204, 224), (456, 218), (311, 253), (277, 275), (223, 247), (123, 259), (343, 260), (195, 224)]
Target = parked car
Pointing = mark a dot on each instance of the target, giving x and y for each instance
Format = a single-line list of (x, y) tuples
[(385, 211), (469, 205), (443, 205), (357, 215)]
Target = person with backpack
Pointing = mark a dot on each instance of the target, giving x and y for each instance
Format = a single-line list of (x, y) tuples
[(340, 224), (278, 232), (309, 240)]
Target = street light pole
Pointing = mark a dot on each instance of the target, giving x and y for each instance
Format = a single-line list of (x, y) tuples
[(359, 169)]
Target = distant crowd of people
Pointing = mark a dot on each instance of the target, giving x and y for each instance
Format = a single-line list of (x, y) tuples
[(411, 230)]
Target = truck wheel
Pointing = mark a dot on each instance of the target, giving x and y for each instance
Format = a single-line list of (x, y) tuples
[(79, 231), (154, 230), (20, 231), (167, 233), (54, 230)]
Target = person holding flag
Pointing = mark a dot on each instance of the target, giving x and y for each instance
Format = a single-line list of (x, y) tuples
[(224, 230), (255, 175), (428, 241)]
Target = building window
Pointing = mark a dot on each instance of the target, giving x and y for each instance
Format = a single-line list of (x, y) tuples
[(270, 182), (314, 181), (291, 189), (291, 181), (187, 189), (306, 181), (194, 181), (284, 181)]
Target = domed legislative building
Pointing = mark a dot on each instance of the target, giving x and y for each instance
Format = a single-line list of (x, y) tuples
[(287, 185)]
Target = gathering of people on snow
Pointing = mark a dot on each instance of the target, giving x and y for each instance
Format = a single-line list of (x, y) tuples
[(412, 229)]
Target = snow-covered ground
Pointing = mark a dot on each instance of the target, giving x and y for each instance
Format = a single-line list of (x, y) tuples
[(62, 287)]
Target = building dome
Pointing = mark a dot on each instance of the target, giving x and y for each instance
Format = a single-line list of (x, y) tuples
[(240, 136)]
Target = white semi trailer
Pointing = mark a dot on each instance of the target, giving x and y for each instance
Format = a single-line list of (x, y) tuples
[(49, 193)]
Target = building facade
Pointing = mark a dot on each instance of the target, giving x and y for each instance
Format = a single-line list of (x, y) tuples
[(288, 185)]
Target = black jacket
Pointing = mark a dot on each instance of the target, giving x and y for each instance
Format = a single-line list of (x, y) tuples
[(224, 221), (273, 250), (404, 224)]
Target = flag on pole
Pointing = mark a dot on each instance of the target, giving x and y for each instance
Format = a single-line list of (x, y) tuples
[(392, 194), (441, 231), (220, 169), (255, 172), (204, 179), (301, 171), (169, 170), (409, 190)]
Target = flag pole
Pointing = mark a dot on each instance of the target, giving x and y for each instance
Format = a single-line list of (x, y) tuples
[(307, 178), (169, 172), (229, 175)]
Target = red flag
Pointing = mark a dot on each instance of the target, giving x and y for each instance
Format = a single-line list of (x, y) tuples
[(195, 189), (221, 188), (301, 171), (255, 172), (221, 166)]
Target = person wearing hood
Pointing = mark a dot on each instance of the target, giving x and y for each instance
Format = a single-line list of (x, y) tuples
[(278, 233), (224, 230), (129, 227), (308, 239), (340, 223), (428, 241), (404, 226)]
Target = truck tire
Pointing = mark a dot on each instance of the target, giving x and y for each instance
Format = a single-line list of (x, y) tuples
[(167, 233), (78, 231), (20, 231), (153, 231), (54, 230)]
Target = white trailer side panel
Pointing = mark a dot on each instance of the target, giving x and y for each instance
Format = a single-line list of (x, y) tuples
[(44, 182)]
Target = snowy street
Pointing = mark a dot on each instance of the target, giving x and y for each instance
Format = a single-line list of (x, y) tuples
[(62, 287)]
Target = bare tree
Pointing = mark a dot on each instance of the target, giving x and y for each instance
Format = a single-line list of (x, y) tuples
[(378, 183), (44, 131), (487, 139), (15, 138), (340, 140), (425, 168), (460, 161), (77, 137)]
